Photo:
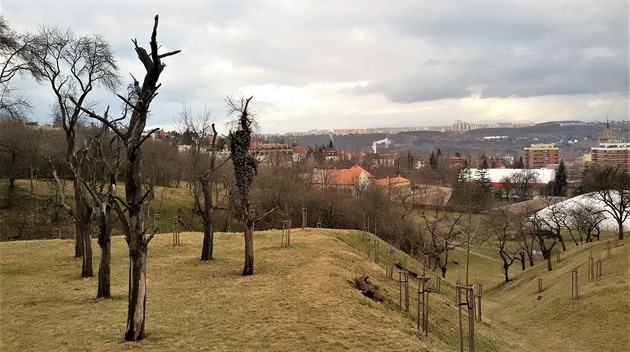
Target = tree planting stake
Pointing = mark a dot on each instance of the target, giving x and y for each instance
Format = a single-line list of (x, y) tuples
[(286, 234)]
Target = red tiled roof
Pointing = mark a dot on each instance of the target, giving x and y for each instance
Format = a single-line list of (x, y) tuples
[(342, 176)]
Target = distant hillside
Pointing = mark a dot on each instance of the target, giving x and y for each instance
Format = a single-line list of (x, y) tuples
[(472, 143)]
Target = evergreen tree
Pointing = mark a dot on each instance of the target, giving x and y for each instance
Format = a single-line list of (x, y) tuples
[(484, 177), (433, 161), (560, 182)]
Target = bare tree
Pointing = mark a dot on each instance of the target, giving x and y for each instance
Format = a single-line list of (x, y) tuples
[(104, 163), (546, 239), (587, 219), (522, 182), (440, 238), (611, 187), (18, 149), (502, 225), (13, 47), (203, 165), (244, 169), (525, 238), (131, 211), (73, 67), (554, 217)]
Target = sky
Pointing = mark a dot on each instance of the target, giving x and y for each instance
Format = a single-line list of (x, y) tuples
[(357, 64)]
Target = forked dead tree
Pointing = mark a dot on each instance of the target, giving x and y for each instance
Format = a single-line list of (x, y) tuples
[(132, 216)]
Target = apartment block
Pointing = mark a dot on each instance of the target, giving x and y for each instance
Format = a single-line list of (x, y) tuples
[(539, 156), (611, 155)]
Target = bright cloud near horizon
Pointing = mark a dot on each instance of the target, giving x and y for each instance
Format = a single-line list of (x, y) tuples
[(326, 65)]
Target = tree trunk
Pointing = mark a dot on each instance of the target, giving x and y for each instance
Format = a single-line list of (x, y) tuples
[(11, 192), (104, 270), (78, 241), (620, 229), (573, 237), (104, 241), (522, 261), (249, 248), (549, 262), (208, 230), (505, 272), (137, 292), (86, 268), (443, 269), (564, 247), (82, 218), (208, 235)]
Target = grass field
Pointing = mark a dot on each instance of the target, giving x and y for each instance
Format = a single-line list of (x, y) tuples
[(300, 299)]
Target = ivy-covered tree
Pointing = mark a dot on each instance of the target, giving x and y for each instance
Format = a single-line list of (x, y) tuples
[(244, 170)]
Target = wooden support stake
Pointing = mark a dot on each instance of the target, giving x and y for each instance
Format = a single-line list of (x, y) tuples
[(598, 272), (469, 293), (591, 269), (479, 294), (540, 286), (557, 257), (175, 223), (304, 218), (423, 305), (403, 287), (608, 251), (376, 251), (286, 234), (391, 252), (574, 284)]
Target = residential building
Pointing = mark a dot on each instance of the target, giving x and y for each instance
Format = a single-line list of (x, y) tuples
[(610, 151), (355, 179), (271, 152), (460, 126), (539, 156), (611, 155)]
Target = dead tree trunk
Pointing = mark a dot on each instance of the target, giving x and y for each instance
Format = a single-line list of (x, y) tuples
[(207, 217), (132, 217), (82, 218), (104, 242)]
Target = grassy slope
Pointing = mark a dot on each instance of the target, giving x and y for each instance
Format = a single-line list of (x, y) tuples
[(299, 299), (599, 320)]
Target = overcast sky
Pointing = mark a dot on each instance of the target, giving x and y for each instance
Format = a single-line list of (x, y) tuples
[(325, 65)]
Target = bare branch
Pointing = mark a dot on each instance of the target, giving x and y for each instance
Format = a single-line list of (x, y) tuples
[(170, 53)]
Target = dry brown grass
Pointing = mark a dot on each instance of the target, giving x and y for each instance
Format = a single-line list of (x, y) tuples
[(301, 299)]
